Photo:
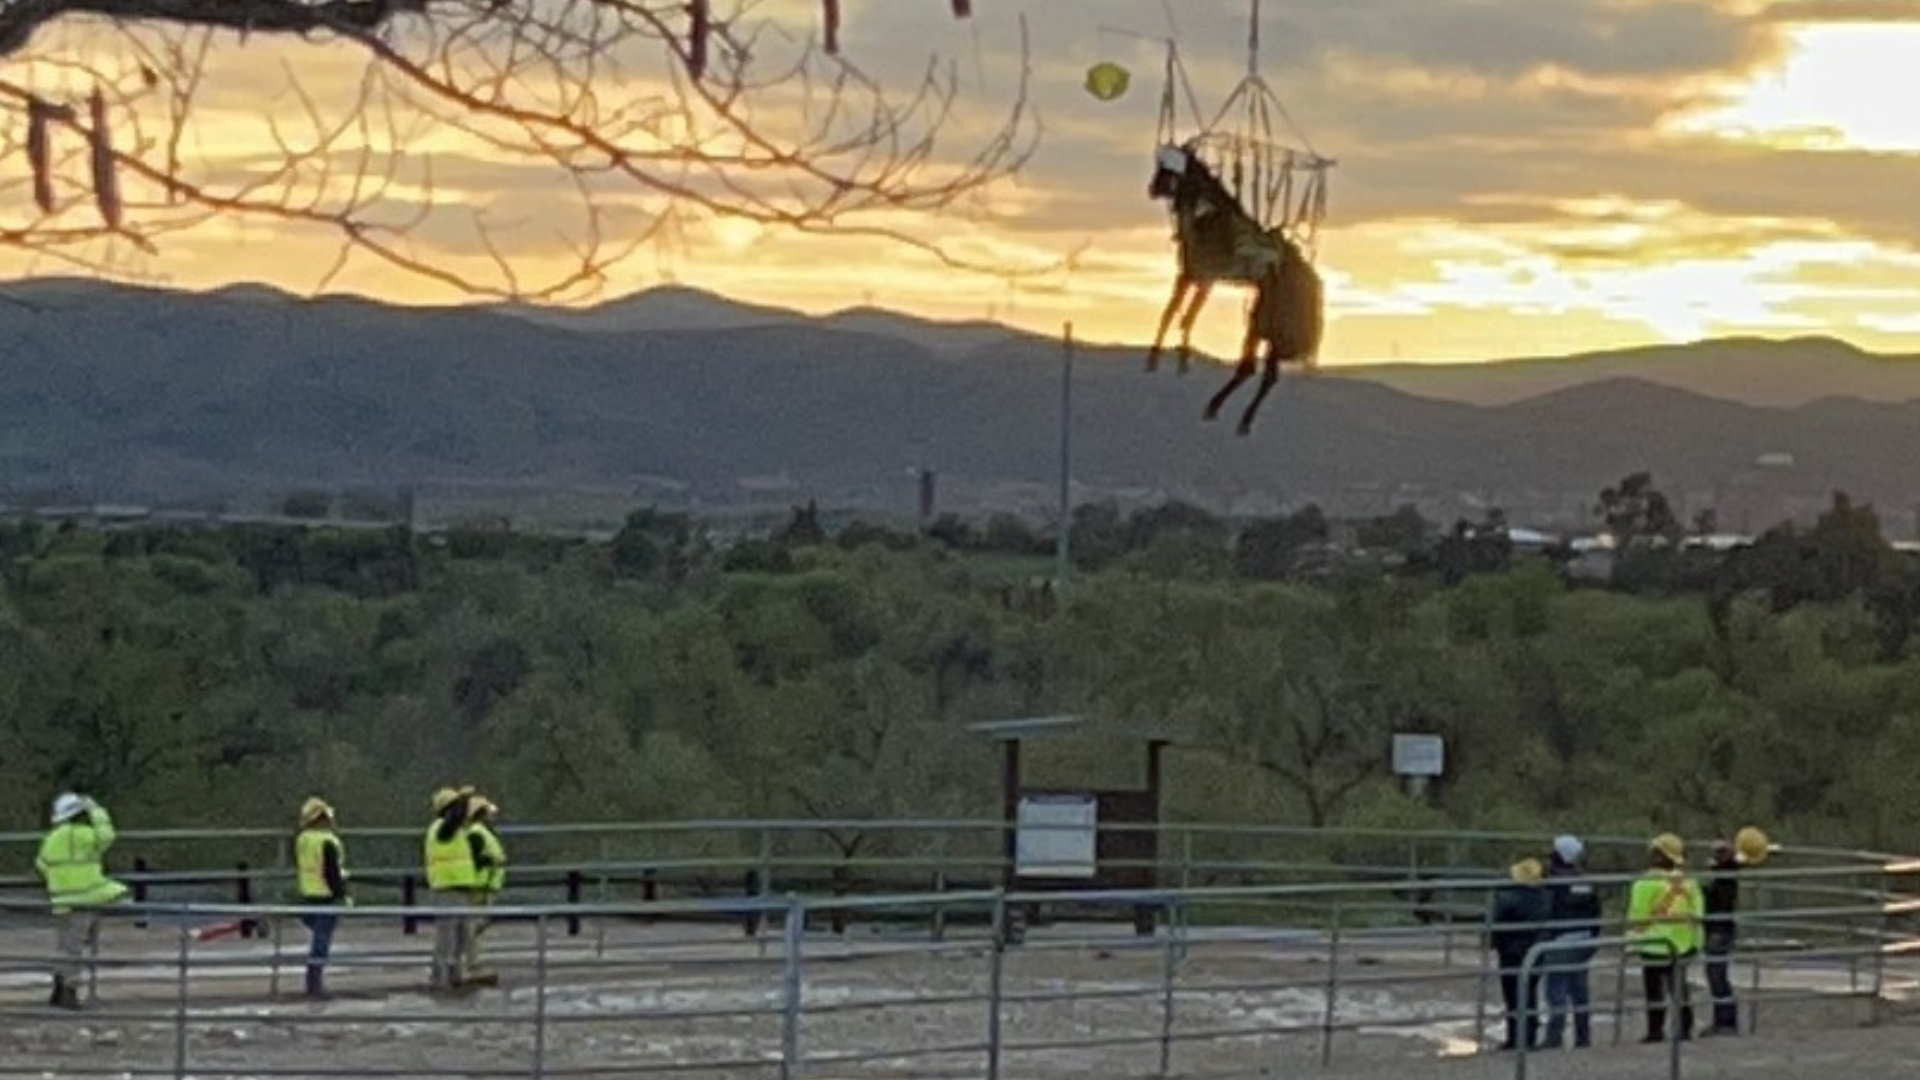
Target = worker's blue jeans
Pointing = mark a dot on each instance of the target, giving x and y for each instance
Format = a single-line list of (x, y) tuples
[(321, 925), (1569, 992)]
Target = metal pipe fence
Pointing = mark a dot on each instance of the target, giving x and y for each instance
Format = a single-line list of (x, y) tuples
[(1233, 979), (652, 861)]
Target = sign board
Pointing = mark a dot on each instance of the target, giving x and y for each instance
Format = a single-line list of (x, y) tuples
[(1419, 755), (1054, 836)]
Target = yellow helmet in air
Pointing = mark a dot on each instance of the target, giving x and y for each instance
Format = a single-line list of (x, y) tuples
[(1752, 846), (1107, 81)]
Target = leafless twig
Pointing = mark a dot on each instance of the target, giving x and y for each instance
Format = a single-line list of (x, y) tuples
[(640, 111)]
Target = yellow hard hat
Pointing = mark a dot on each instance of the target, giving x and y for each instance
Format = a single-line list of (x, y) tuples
[(314, 809), (481, 806), (1752, 846), (1674, 848), (1527, 871), (1107, 80), (444, 798)]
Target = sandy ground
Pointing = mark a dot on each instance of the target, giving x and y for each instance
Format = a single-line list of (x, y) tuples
[(627, 1001)]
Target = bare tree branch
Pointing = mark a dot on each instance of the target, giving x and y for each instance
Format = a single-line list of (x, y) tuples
[(641, 114)]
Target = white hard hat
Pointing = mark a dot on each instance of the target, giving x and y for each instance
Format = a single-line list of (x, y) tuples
[(1569, 848), (67, 807)]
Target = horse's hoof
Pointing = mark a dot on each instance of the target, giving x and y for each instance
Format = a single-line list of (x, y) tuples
[(1210, 414), (1244, 429)]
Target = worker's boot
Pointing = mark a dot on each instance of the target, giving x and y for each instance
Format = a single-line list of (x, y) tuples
[(69, 998), (316, 984), (59, 991), (1582, 1030)]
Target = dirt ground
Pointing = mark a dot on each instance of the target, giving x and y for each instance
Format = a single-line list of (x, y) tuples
[(627, 1001)]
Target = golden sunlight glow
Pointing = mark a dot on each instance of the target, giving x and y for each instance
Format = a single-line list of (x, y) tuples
[(1843, 86), (1477, 212)]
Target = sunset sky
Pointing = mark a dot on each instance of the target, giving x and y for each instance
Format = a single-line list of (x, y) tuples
[(1516, 177)]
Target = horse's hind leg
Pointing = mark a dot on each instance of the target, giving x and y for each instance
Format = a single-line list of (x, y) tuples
[(1180, 286), (1241, 373), (1249, 363), (1267, 378)]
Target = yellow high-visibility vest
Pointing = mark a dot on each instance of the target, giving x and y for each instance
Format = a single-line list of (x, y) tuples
[(310, 856), (72, 859), (450, 862), (1665, 907)]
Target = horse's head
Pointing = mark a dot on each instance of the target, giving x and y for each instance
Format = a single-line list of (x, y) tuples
[(1170, 165)]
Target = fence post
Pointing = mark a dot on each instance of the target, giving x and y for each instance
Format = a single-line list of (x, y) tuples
[(180, 1006), (1620, 996), (1333, 991), (763, 867), (1881, 936), (996, 967), (140, 889), (1480, 990), (938, 922), (243, 892), (540, 997), (573, 898), (795, 931), (279, 935), (1529, 964), (1169, 973), (409, 897)]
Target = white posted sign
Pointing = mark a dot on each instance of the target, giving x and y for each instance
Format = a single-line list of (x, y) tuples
[(1054, 836), (1419, 755)]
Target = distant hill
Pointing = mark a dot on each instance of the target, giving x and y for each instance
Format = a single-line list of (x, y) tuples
[(1751, 370), (674, 307), (130, 393)]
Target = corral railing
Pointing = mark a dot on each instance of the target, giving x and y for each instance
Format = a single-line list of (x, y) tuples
[(1239, 979), (731, 859)]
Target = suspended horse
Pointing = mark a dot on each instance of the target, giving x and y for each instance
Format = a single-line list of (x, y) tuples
[(1256, 226)]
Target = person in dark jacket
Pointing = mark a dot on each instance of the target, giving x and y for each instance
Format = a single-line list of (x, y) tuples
[(1573, 923), (1519, 909), (1722, 905)]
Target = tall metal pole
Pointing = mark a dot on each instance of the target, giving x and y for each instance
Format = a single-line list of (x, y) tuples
[(1253, 41), (1064, 526)]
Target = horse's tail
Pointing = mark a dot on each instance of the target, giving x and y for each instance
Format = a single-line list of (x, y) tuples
[(1291, 310)]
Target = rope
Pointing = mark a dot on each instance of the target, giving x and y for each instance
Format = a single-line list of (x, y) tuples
[(1260, 171)]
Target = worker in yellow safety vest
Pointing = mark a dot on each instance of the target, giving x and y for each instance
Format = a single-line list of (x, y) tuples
[(321, 860), (452, 878), (490, 866), (72, 862), (1663, 917)]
